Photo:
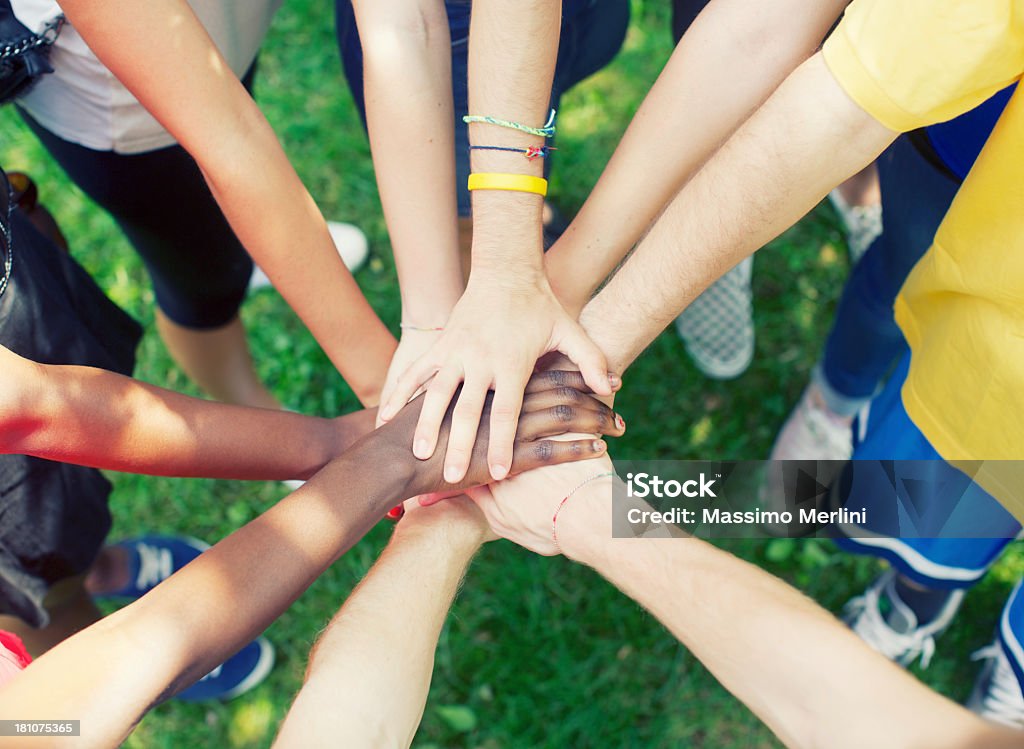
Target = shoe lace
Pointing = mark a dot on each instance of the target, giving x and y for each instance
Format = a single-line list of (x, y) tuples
[(827, 432), (1003, 700), (155, 565), (865, 616)]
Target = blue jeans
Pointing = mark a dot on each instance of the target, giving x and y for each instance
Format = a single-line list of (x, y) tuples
[(592, 34), (865, 341)]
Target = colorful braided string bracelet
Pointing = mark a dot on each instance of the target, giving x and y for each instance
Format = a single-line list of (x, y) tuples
[(546, 131), (530, 152)]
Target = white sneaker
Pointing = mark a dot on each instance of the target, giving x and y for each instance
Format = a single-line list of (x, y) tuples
[(814, 432), (718, 326), (997, 694), (863, 223), (895, 633), (350, 242)]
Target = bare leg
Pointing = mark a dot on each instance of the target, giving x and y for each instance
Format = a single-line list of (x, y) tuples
[(218, 361), (71, 609), (109, 572), (862, 188)]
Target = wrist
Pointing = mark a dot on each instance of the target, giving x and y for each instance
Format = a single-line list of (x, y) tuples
[(494, 280), (431, 310), (569, 286), (450, 527), (583, 525), (507, 231), (616, 348)]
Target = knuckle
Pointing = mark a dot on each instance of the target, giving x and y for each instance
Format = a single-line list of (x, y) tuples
[(570, 394), (563, 413), (544, 450), (557, 377)]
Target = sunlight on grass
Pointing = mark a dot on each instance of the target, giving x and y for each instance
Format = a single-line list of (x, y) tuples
[(700, 431), (252, 722)]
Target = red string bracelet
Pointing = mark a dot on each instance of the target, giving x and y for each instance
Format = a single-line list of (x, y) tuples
[(554, 518)]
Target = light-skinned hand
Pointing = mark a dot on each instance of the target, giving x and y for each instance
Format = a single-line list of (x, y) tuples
[(493, 339)]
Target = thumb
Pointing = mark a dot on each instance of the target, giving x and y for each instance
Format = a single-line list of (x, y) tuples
[(572, 340)]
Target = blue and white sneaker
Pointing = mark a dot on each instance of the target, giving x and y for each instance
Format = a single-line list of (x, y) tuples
[(152, 559), (998, 696), (237, 675), (882, 620)]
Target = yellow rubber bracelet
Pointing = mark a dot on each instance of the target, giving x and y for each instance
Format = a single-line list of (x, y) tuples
[(514, 182)]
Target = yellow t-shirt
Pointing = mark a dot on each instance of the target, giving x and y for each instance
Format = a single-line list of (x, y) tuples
[(911, 63)]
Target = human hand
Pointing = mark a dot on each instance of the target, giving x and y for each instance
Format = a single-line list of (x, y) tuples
[(552, 404), (524, 508), (493, 339), (413, 344), (456, 519)]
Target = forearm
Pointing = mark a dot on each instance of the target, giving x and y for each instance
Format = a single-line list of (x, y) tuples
[(206, 611), (296, 251), (512, 52), (97, 418), (803, 141), (810, 679), (203, 105), (729, 61), (369, 674), (407, 75)]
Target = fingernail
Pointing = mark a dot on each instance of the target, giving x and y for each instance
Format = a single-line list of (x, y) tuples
[(620, 422), (599, 446), (421, 449), (386, 413), (395, 513), (452, 474), (614, 380), (498, 471)]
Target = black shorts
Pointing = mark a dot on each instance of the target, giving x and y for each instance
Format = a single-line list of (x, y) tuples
[(53, 516), (199, 269)]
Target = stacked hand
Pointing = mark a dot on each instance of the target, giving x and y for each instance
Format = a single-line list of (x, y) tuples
[(554, 403), (493, 339), (522, 508)]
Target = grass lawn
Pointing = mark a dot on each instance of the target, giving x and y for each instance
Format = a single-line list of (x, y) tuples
[(537, 652)]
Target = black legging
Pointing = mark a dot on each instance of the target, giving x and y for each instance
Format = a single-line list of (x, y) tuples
[(199, 269)]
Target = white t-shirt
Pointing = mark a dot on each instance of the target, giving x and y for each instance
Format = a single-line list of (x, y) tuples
[(82, 101)]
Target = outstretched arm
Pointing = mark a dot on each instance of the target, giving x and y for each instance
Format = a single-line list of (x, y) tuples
[(206, 611), (509, 316), (809, 678), (379, 648), (163, 55), (407, 79), (97, 418), (725, 66), (807, 138)]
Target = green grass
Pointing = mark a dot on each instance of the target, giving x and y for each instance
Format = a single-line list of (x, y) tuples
[(543, 653)]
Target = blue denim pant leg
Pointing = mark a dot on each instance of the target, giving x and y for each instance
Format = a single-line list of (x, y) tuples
[(864, 341), (926, 517), (592, 34)]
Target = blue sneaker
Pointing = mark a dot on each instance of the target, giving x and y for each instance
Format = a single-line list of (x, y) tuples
[(152, 559), (237, 675)]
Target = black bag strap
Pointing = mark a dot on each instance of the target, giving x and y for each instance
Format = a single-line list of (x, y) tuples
[(24, 54), (6, 242)]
